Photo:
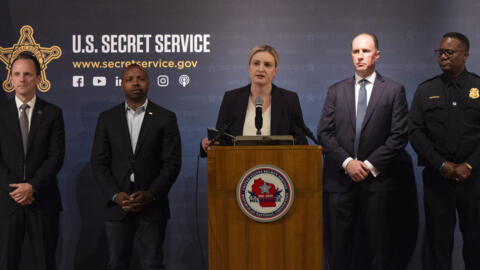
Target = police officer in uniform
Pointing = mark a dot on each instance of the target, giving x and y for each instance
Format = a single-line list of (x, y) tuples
[(444, 129)]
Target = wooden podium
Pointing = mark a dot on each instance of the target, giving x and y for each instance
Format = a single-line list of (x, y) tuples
[(235, 241)]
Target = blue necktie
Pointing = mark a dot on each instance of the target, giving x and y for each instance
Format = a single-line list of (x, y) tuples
[(361, 109)]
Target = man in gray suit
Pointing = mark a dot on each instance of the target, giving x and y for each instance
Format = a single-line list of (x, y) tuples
[(363, 131)]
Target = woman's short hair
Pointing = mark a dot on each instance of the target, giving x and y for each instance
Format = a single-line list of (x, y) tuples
[(263, 48)]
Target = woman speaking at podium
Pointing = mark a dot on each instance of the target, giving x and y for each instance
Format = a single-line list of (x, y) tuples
[(280, 109)]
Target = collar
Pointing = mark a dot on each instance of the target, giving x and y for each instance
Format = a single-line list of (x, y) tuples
[(142, 108), (249, 88), (459, 82), (31, 103), (370, 78)]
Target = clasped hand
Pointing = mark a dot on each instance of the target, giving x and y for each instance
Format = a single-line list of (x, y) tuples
[(357, 170), (23, 193), (134, 202), (456, 172)]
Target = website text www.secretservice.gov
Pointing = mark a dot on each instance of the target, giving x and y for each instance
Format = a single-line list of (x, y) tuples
[(160, 63)]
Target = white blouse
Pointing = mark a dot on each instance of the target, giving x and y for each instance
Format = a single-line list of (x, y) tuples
[(249, 128)]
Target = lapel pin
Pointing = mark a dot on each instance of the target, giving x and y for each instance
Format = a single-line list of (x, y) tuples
[(39, 112), (150, 113)]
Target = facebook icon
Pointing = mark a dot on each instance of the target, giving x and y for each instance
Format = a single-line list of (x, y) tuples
[(78, 81)]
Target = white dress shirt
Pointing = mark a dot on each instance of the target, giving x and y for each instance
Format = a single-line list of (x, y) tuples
[(135, 120), (369, 86), (31, 105)]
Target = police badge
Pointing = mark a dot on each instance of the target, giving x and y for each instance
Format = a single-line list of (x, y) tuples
[(474, 94)]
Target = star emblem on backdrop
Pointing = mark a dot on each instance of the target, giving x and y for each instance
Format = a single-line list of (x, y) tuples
[(26, 42)]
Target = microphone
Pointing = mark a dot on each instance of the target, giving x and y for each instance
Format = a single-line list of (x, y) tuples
[(220, 133), (309, 133), (258, 114)]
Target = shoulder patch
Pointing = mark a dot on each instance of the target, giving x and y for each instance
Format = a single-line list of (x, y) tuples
[(474, 75)]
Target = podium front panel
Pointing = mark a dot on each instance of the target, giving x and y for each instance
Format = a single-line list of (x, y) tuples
[(236, 241)]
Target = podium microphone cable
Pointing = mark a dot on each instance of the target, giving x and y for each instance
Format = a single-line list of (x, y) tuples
[(197, 223)]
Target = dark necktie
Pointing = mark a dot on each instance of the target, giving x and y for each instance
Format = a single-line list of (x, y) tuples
[(361, 108), (24, 126)]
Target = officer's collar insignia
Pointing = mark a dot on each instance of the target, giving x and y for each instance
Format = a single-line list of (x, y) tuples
[(474, 94), (433, 97)]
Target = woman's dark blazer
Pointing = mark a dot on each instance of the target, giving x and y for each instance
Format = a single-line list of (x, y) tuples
[(286, 113)]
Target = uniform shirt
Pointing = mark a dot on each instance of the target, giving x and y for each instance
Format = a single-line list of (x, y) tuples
[(444, 120)]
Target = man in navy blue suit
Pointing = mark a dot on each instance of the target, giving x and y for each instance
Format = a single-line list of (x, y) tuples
[(363, 131)]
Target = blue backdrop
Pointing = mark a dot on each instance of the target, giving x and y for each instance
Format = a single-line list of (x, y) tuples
[(312, 37)]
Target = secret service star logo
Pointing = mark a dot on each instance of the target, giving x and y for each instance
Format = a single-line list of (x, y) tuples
[(26, 42)]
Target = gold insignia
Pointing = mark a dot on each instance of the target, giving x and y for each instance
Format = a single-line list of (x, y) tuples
[(474, 93), (150, 113), (26, 42), (433, 97)]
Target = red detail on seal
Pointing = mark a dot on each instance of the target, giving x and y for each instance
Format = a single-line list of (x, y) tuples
[(265, 199)]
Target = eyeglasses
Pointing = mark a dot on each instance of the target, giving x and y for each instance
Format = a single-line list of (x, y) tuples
[(447, 52)]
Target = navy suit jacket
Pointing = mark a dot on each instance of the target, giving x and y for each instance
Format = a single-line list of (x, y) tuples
[(46, 151), (382, 140), (286, 113), (156, 160)]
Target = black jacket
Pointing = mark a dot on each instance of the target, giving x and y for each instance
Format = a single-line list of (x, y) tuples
[(444, 121), (286, 113), (156, 161), (46, 151)]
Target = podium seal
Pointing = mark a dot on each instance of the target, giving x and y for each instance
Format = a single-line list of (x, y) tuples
[(265, 193)]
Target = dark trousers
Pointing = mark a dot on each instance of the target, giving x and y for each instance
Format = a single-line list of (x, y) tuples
[(134, 233), (442, 199), (345, 213), (43, 234)]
